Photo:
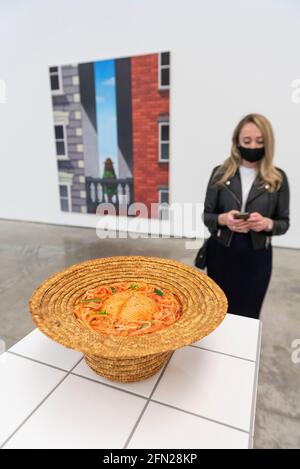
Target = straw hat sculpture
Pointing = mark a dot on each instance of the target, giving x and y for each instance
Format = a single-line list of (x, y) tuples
[(203, 306)]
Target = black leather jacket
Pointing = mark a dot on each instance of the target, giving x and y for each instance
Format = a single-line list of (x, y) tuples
[(227, 197)]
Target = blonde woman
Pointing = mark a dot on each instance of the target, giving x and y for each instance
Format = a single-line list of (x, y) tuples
[(247, 202)]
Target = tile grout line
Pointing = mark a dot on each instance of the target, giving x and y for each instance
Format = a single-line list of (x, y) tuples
[(38, 361), (149, 399), (91, 379), (200, 416), (191, 345), (39, 405), (109, 385), (146, 404), (255, 384), (156, 401), (222, 353)]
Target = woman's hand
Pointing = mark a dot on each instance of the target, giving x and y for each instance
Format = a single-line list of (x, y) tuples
[(257, 222), (227, 219)]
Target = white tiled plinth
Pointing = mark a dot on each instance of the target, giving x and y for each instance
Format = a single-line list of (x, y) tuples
[(39, 347), (24, 384), (203, 398), (236, 335), (81, 414), (212, 385), (177, 429)]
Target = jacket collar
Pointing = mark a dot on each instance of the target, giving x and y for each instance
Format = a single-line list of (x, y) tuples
[(234, 185)]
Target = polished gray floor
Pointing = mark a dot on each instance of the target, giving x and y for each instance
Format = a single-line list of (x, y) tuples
[(30, 252)]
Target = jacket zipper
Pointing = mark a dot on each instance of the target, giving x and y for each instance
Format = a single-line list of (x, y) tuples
[(233, 195), (240, 204)]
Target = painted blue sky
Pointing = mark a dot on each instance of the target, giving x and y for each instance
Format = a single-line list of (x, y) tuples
[(105, 88)]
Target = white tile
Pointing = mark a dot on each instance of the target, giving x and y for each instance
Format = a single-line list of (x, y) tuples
[(177, 429), (143, 388), (24, 384), (39, 347), (81, 414), (210, 384), (236, 335)]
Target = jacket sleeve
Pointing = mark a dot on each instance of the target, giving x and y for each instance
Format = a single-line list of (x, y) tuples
[(281, 217), (210, 214)]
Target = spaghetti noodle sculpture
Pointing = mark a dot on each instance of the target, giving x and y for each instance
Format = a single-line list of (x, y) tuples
[(127, 309)]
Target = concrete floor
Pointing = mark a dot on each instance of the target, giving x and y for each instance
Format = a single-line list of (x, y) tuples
[(30, 252)]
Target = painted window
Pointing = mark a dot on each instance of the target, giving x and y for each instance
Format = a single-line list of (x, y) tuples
[(163, 197), (65, 197), (55, 80), (60, 140), (164, 141), (164, 70)]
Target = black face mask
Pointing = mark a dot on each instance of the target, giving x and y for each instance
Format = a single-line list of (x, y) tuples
[(251, 154)]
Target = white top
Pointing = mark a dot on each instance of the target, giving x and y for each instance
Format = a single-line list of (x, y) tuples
[(248, 176), (50, 398)]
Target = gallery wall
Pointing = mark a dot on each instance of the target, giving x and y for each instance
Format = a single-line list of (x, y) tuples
[(227, 59)]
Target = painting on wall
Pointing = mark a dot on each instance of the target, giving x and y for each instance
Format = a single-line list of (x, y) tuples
[(112, 132)]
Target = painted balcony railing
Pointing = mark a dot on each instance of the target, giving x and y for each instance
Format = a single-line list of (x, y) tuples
[(115, 191)]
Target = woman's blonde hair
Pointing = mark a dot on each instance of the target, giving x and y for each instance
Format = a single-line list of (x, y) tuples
[(266, 171)]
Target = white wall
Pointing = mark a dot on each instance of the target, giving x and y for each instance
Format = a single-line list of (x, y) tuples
[(229, 58)]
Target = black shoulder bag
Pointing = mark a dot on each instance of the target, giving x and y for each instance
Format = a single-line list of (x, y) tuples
[(201, 258)]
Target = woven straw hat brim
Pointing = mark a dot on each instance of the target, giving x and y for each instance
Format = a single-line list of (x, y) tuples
[(204, 305)]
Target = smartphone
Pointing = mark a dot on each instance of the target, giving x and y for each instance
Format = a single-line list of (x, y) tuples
[(241, 216)]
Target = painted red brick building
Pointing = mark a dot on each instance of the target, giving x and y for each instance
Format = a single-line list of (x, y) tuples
[(150, 85)]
